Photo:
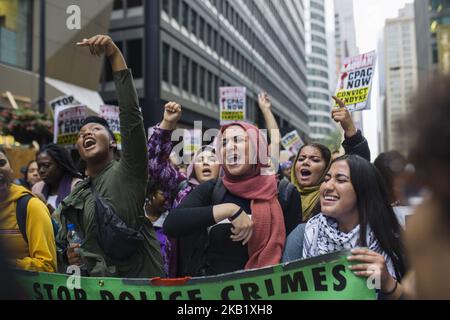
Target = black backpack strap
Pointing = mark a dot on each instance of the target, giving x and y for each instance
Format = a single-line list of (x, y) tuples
[(282, 188), (285, 189), (290, 188), (21, 215), (219, 192)]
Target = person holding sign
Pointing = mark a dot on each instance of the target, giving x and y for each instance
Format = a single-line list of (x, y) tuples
[(173, 184), (114, 189), (356, 214), (313, 160), (237, 221)]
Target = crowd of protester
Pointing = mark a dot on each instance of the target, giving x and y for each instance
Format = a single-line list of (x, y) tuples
[(143, 215)]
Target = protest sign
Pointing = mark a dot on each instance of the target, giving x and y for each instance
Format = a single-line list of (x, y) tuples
[(292, 142), (233, 104), (111, 115), (64, 101), (68, 122), (192, 142), (355, 81), (321, 278)]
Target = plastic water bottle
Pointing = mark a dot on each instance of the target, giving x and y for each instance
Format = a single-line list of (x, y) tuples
[(73, 237)]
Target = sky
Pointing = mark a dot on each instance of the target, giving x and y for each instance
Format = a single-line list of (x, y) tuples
[(370, 17)]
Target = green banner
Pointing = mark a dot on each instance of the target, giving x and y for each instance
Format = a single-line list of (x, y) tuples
[(321, 278)]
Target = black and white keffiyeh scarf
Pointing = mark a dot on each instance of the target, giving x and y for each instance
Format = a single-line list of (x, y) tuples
[(322, 236)]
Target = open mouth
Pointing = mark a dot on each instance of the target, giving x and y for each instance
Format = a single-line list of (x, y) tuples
[(330, 198), (89, 143), (206, 172), (305, 173)]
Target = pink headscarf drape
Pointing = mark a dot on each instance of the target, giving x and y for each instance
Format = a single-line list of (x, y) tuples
[(266, 245)]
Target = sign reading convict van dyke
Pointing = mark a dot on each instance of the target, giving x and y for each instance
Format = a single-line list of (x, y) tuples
[(320, 278), (355, 81)]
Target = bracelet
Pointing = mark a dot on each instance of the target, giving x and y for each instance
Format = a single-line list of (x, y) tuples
[(392, 291), (236, 215)]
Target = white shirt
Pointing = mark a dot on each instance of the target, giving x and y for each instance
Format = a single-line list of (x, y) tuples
[(51, 200)]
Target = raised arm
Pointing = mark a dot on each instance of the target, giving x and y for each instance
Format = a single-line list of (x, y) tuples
[(159, 149), (134, 158), (102, 44), (354, 142), (265, 105)]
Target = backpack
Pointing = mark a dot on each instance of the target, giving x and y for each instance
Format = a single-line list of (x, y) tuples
[(285, 189), (21, 217), (117, 241)]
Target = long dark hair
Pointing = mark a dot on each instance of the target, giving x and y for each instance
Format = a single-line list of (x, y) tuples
[(62, 158), (374, 209), (390, 164)]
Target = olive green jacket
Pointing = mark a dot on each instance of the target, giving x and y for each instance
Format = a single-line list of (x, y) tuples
[(123, 185)]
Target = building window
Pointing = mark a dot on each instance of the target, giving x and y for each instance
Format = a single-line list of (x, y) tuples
[(193, 22), (176, 9), (201, 32), (202, 83), (134, 56), (194, 82), (215, 41), (175, 68), (118, 5), (209, 35), (210, 87), (185, 75), (216, 90), (15, 36), (166, 62), (165, 6), (134, 3), (185, 15)]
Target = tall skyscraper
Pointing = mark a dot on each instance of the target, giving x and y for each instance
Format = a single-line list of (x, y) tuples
[(319, 99), (401, 73), (205, 44), (345, 42), (432, 20)]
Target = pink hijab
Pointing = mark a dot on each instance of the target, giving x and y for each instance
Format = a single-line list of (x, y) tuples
[(266, 245)]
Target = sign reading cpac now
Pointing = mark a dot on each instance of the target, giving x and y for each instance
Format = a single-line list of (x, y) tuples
[(355, 81), (320, 278)]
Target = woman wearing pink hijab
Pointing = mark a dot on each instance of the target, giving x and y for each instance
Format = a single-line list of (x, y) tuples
[(235, 222)]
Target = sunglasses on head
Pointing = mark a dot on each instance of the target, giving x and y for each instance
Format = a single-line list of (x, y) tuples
[(3, 163)]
